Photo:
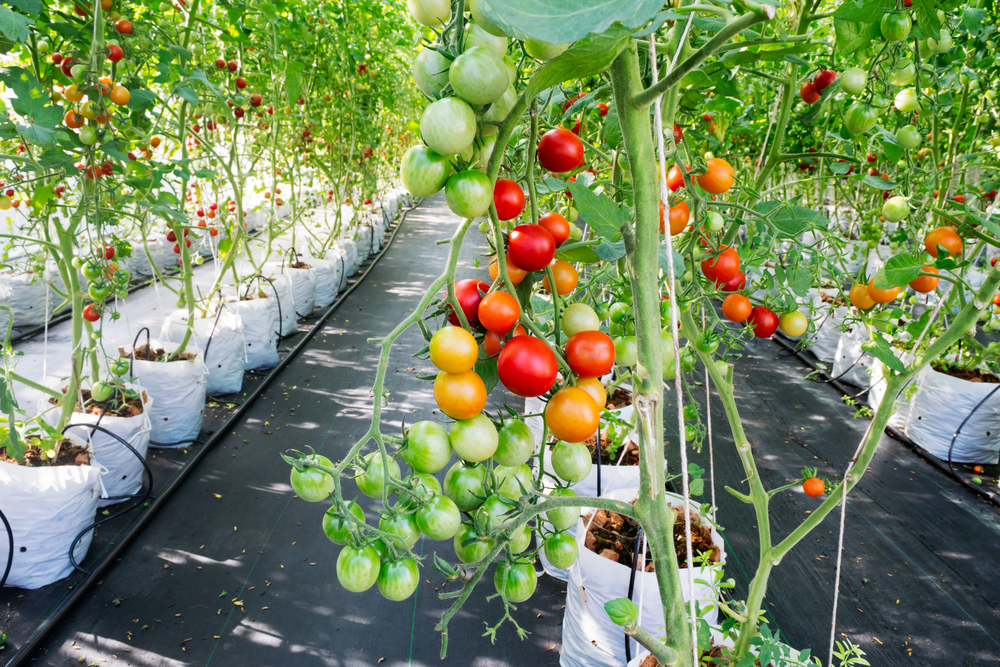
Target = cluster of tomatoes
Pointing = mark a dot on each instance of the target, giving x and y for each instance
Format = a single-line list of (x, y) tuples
[(811, 91), (104, 278)]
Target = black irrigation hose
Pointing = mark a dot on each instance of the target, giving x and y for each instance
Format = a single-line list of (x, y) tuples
[(598, 449), (631, 588), (10, 553), (897, 435), (951, 447), (23, 657)]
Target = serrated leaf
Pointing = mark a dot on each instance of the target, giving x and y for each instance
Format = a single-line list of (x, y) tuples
[(578, 254), (186, 94), (14, 25), (110, 149), (599, 211), (790, 220), (28, 6), (880, 348), (589, 57), (566, 21), (899, 270), (293, 80), (610, 251), (140, 98), (972, 20), (622, 611), (679, 266), (879, 183), (611, 129), (925, 12), (852, 35), (865, 11), (486, 369)]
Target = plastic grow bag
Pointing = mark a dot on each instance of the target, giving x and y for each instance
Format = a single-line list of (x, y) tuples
[(823, 344), (350, 249), (260, 339), (284, 306), (939, 407), (178, 392), (47, 508), (590, 638), (852, 364), (28, 293), (222, 337), (327, 274), (364, 242)]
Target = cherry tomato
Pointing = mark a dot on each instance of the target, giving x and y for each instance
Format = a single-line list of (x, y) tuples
[(508, 197), (814, 487), (925, 284), (531, 247), (469, 293), (809, 93), (565, 275), (474, 439), (675, 178), (559, 151), (572, 415), (946, 237), (793, 324), (460, 395), (493, 342), (556, 225), (427, 448), (823, 79), (723, 268), (453, 349), (515, 274), (764, 321), (92, 312), (881, 295), (736, 283), (590, 354), (313, 485), (736, 308), (358, 568), (596, 390), (527, 367), (499, 311), (860, 298), (679, 215), (718, 176)]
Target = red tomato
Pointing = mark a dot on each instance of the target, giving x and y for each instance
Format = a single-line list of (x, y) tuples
[(494, 342), (468, 294), (809, 93), (764, 322), (679, 215), (531, 247), (499, 311), (678, 133), (736, 308), (508, 197), (590, 354), (556, 225), (720, 270), (559, 151), (91, 313), (527, 367), (736, 283), (823, 79), (675, 178)]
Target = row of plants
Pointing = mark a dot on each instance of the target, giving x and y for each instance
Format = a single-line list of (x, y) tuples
[(658, 187), (251, 146)]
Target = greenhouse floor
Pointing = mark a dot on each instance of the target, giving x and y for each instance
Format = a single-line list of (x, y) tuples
[(235, 571)]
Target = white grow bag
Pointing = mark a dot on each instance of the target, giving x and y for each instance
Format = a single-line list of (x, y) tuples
[(823, 344), (303, 287), (47, 508), (941, 404), (327, 276), (283, 307), (178, 392), (852, 364), (350, 250), (341, 266), (364, 241), (590, 638), (260, 338), (222, 338)]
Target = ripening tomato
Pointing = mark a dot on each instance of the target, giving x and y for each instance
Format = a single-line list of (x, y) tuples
[(565, 275), (808, 93), (860, 298), (679, 215), (527, 367), (814, 487), (531, 247), (515, 274), (925, 284), (493, 342), (460, 395), (675, 178), (595, 389), (92, 313), (881, 295), (559, 151), (499, 311), (453, 349), (793, 324), (736, 283), (736, 308), (723, 268), (572, 415), (556, 225), (764, 322), (469, 293), (946, 237), (718, 176), (824, 78), (590, 354), (508, 197)]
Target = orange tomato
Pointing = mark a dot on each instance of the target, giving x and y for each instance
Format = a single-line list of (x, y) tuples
[(814, 487), (718, 176), (499, 311), (493, 342), (860, 298), (155, 142), (736, 308), (106, 85), (120, 95), (925, 284), (515, 274), (565, 275), (73, 119), (460, 395), (679, 216), (453, 349), (596, 390), (72, 93), (572, 415), (946, 237), (881, 295)]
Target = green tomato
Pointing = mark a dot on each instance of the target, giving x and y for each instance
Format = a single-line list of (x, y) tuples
[(512, 479), (78, 72), (853, 80), (908, 137), (430, 71), (430, 13), (474, 551), (87, 135), (370, 482), (423, 171), (427, 448), (439, 518), (561, 549), (563, 518), (404, 527), (76, 262), (896, 26), (515, 581), (101, 391), (572, 214), (907, 100), (515, 443), (469, 193), (540, 50), (579, 317), (475, 35), (793, 324), (336, 527), (571, 461), (484, 23), (707, 343), (464, 485), (860, 118), (358, 568), (626, 351), (474, 439), (895, 209), (312, 485), (940, 45), (118, 366), (904, 74), (499, 110), (424, 484), (98, 290), (715, 221), (398, 579), (448, 126), (619, 310), (479, 76), (575, 232)]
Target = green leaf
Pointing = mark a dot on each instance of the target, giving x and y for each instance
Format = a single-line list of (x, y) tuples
[(578, 254), (28, 6), (182, 52), (599, 211), (790, 220), (611, 129), (14, 25), (851, 35), (42, 196), (201, 77), (186, 94), (566, 21), (840, 168), (799, 278), (865, 11), (587, 58), (110, 149), (973, 20), (622, 611), (899, 270), (679, 267), (927, 18), (293, 80), (224, 246), (487, 370), (611, 251), (140, 98), (879, 183), (880, 348)]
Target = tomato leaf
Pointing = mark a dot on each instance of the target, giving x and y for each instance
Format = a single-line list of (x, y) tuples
[(622, 611), (578, 254), (973, 19), (599, 211), (566, 21), (880, 348), (865, 11), (487, 370), (611, 130), (679, 266), (879, 183), (898, 270), (14, 25), (611, 252), (28, 6), (293, 80), (789, 220), (589, 57), (927, 18)]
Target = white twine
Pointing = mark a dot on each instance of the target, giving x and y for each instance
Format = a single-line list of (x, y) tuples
[(674, 318)]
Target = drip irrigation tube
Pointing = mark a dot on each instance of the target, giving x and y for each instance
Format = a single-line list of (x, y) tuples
[(948, 468), (10, 550), (23, 656)]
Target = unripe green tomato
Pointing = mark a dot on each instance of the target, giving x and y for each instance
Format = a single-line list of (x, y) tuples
[(908, 137), (616, 328), (853, 80), (484, 226), (940, 45), (572, 214), (78, 72), (575, 232), (112, 42), (181, 302), (991, 94), (42, 46), (904, 74), (913, 300), (88, 135), (626, 352), (165, 7), (964, 79), (715, 221), (907, 100), (696, 252), (76, 262), (618, 311), (985, 316), (709, 155), (686, 278), (199, 260), (895, 209)]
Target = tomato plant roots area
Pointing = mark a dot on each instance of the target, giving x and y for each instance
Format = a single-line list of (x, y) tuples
[(235, 571)]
